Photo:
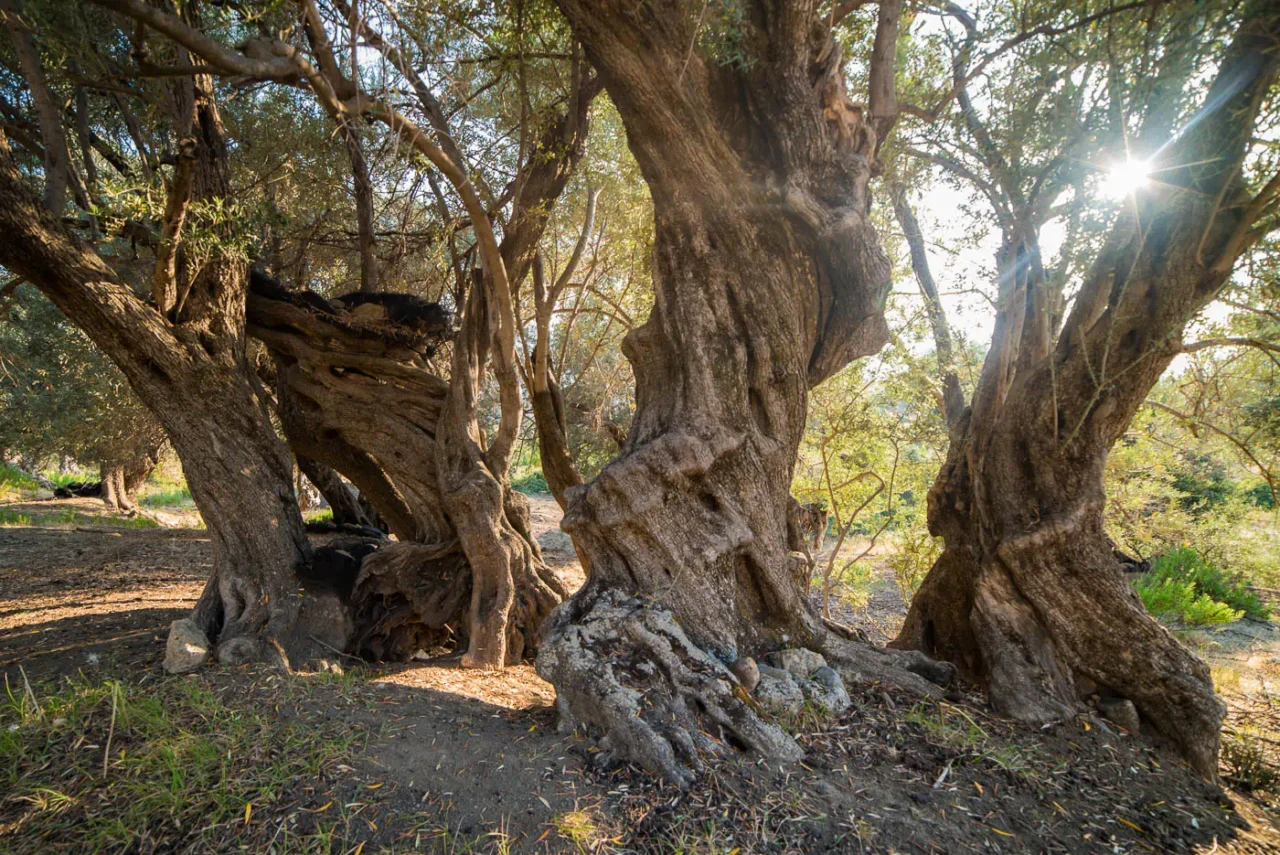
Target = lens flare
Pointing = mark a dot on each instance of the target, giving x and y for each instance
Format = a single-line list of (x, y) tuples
[(1125, 179)]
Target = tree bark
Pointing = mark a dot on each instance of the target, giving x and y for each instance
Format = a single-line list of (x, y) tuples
[(768, 278), (194, 376), (57, 157), (952, 404), (1027, 595), (363, 188), (361, 398)]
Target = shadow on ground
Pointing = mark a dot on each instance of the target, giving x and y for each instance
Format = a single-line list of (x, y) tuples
[(427, 757)]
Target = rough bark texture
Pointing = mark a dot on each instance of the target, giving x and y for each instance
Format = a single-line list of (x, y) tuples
[(1027, 595), (768, 278), (361, 397), (193, 375), (553, 440), (121, 477)]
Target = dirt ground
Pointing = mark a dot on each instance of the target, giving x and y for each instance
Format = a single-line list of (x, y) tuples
[(446, 760)]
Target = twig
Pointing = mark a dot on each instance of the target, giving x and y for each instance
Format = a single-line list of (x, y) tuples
[(333, 649), (26, 685), (111, 731)]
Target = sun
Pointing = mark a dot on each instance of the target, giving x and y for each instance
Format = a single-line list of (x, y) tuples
[(1123, 180)]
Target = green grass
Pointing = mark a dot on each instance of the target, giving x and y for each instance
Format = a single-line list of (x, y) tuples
[(11, 517), (69, 516), (1185, 588), (168, 498), (92, 766), (62, 479), (322, 515), (14, 482)]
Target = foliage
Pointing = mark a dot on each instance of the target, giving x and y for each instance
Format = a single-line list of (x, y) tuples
[(1174, 600), (915, 553), (59, 396), (532, 481), (1246, 762), (168, 498), (1182, 586), (1185, 564)]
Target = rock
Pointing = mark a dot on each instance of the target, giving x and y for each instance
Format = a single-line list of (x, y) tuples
[(1120, 711), (800, 662), (43, 495), (187, 648), (556, 542), (825, 690), (778, 692), (747, 672)]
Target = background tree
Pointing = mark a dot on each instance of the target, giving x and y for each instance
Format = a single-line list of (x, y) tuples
[(183, 350), (60, 397), (1060, 385)]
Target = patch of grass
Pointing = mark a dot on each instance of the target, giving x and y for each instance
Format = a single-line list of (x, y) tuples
[(1246, 763), (956, 728), (321, 515), (169, 498), (62, 479), (578, 827), (1183, 587), (12, 517), (532, 481), (13, 479), (69, 516), (93, 766)]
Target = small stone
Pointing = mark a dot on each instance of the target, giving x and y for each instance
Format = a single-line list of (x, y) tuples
[(747, 672), (800, 662), (825, 690), (1120, 711), (187, 648), (778, 692)]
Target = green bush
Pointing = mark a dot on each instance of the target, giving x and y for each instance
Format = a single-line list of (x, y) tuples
[(532, 481), (1182, 586)]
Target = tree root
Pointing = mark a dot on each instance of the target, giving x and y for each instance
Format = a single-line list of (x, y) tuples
[(626, 666), (410, 597), (861, 662)]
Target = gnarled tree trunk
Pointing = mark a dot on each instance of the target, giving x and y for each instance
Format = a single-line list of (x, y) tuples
[(1027, 595), (186, 362), (363, 399), (768, 278)]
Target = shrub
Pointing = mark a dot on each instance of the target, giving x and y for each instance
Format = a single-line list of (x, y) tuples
[(1182, 586), (915, 555), (532, 481), (1246, 763), (1174, 600), (1211, 580)]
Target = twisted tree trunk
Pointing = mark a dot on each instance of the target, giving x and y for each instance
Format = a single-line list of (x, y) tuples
[(1027, 595), (361, 397), (189, 368), (768, 278)]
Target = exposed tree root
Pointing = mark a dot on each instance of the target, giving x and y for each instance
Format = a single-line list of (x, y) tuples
[(626, 666)]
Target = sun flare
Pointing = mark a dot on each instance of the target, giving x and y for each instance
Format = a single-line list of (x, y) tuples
[(1123, 180)]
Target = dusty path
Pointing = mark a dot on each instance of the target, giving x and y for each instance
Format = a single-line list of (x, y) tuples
[(445, 760)]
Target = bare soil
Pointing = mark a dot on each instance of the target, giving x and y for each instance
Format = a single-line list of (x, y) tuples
[(455, 761)]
